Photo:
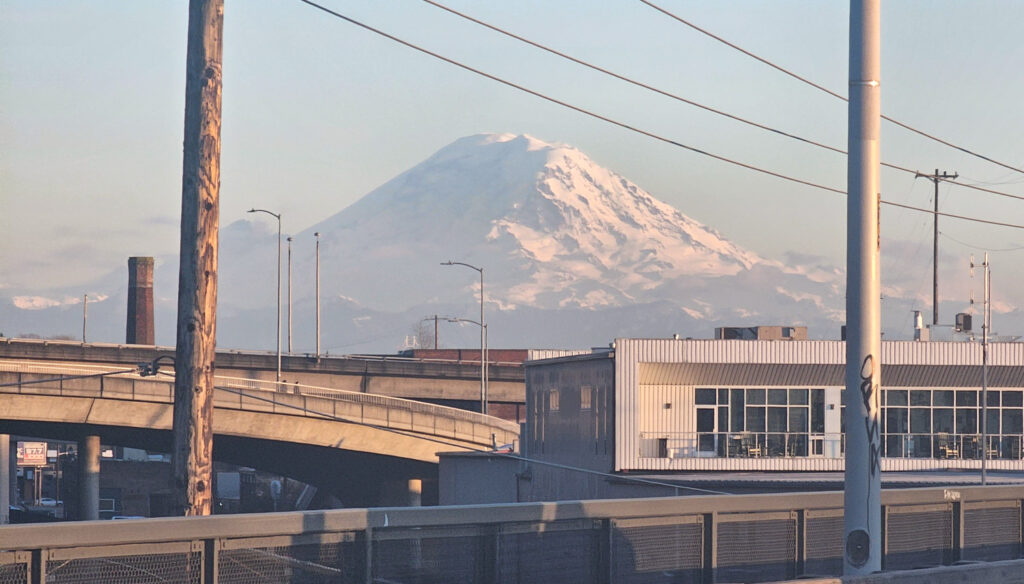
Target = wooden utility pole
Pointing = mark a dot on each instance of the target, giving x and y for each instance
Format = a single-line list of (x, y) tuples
[(197, 276), (935, 178)]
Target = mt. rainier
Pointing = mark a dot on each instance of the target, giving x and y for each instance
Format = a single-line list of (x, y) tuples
[(551, 228), (574, 255)]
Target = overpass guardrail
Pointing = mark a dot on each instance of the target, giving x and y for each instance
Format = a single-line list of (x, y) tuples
[(26, 377), (700, 539)]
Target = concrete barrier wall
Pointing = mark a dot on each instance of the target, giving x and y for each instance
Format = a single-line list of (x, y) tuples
[(1005, 572)]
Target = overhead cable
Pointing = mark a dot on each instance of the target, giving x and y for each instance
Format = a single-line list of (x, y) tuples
[(822, 88), (626, 126), (682, 99)]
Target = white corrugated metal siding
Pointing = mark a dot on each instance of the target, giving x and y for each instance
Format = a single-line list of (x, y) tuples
[(669, 369)]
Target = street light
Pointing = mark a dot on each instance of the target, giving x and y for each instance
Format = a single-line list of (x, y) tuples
[(289, 295), (483, 361), (317, 235), (278, 217), (483, 335)]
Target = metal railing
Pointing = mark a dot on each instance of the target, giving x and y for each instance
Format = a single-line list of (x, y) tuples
[(263, 396), (741, 444), (952, 446), (252, 352), (938, 446), (753, 538)]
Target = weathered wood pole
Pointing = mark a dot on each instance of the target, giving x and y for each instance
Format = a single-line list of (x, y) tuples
[(197, 276)]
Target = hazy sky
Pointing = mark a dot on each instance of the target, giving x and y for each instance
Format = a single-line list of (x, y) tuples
[(318, 112)]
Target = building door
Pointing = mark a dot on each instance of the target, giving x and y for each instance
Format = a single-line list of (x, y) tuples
[(706, 431)]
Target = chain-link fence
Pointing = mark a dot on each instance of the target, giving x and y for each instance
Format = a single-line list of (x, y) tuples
[(752, 538)]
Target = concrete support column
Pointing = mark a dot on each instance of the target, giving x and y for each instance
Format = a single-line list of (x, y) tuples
[(402, 493), (5, 479), (415, 491), (89, 478), (13, 454)]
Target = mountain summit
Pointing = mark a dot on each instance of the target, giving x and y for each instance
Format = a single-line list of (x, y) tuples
[(552, 228)]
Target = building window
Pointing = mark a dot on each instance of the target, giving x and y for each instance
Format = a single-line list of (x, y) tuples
[(946, 423), (586, 398), (553, 400), (759, 421), (704, 397)]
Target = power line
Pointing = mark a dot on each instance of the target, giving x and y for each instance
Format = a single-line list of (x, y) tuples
[(687, 101), (632, 81), (628, 126), (822, 88), (566, 104), (972, 246)]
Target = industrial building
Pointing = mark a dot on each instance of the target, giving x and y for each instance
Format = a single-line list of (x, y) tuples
[(664, 408)]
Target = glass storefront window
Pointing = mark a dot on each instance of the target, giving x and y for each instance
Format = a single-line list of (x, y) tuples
[(896, 397), (966, 398), (920, 421), (942, 420), (992, 398), (966, 421), (776, 419), (920, 397), (798, 419), (755, 419)]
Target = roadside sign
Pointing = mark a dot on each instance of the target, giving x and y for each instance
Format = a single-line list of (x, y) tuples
[(31, 453)]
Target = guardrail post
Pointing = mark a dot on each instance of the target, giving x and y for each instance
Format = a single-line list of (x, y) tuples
[(368, 555), (38, 567), (604, 548), (1020, 544), (885, 536), (801, 542), (490, 549), (957, 552), (210, 561), (710, 547)]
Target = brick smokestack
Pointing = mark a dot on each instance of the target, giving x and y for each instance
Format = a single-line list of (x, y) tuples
[(140, 301)]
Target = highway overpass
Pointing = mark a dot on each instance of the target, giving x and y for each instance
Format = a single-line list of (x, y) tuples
[(349, 443), (450, 383)]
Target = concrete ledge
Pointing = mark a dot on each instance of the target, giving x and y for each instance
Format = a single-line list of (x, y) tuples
[(1005, 572)]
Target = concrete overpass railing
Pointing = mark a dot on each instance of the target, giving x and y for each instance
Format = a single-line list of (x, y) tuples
[(472, 429), (707, 539)]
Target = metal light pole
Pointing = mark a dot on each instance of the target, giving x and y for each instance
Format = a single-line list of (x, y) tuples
[(278, 217), (483, 362), (986, 325), (317, 235), (862, 529), (85, 314), (483, 335), (289, 294)]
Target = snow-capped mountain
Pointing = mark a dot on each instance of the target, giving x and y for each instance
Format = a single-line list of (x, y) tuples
[(573, 255), (551, 228)]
